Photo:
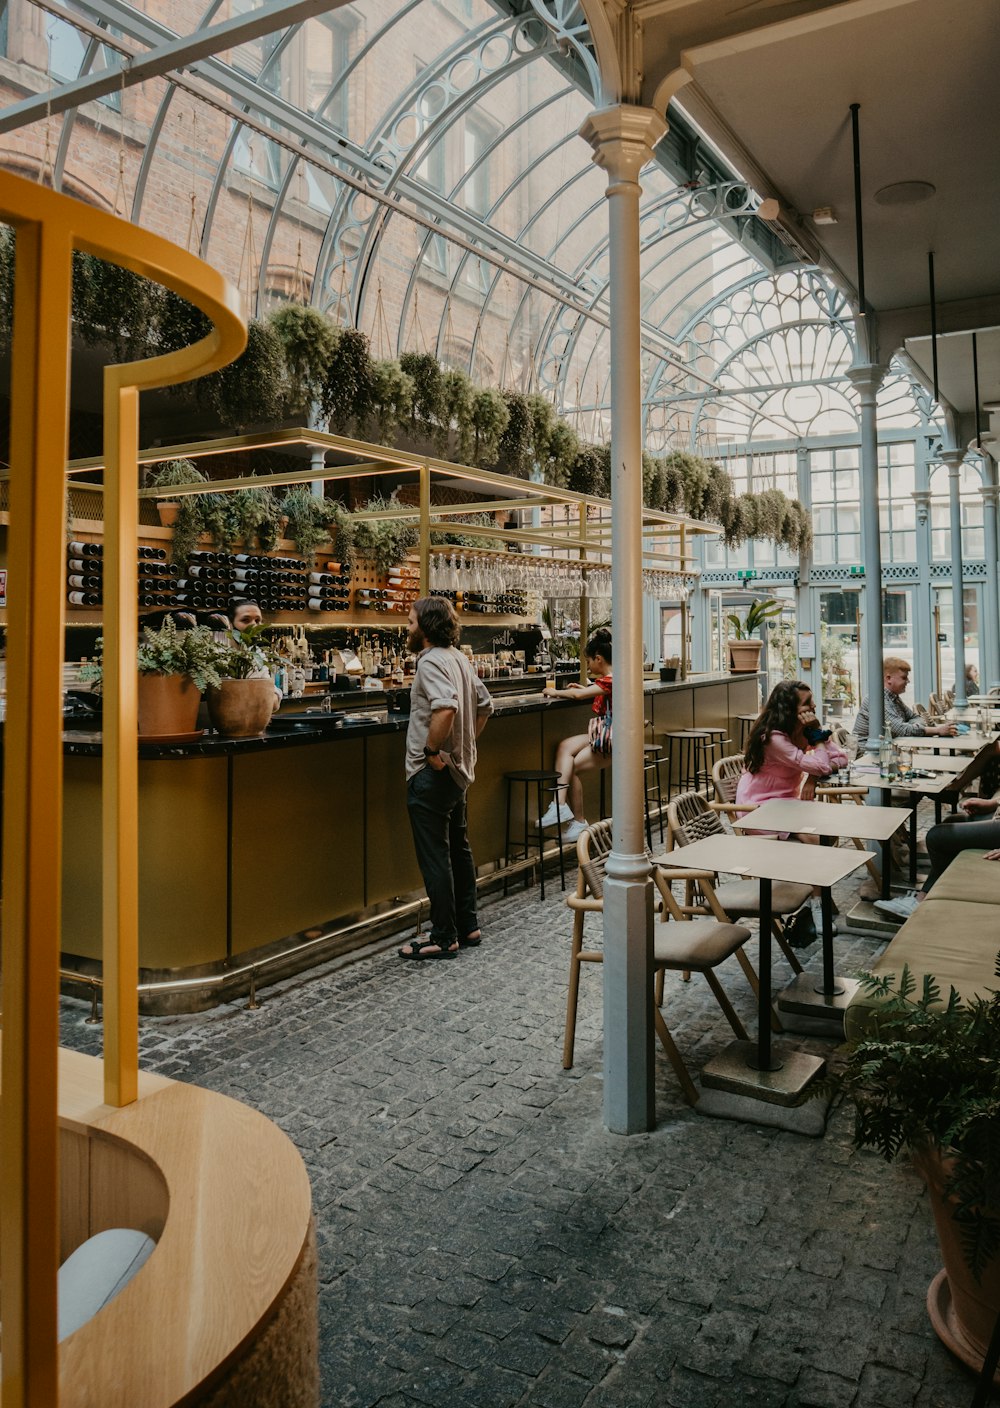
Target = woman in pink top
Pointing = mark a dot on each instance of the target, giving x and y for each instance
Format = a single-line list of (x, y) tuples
[(787, 747)]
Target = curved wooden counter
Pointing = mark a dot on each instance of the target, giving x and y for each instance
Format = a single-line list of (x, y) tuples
[(224, 1310)]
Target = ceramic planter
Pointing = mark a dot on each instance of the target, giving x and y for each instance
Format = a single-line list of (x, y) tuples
[(168, 509), (167, 705), (241, 708), (962, 1311), (744, 656)]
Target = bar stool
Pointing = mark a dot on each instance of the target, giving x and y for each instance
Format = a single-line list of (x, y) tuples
[(697, 751), (543, 780), (652, 789), (746, 723)]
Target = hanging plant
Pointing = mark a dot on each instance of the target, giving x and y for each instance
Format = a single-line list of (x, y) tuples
[(187, 529), (113, 307), (384, 542), (563, 448), (251, 390), (392, 399), (543, 422), (591, 471), (455, 538), (652, 481), (307, 520), (718, 492), (307, 339), (457, 392), (178, 324), (347, 399), (166, 473), (343, 536), (429, 411), (743, 521), (489, 421), (256, 515), (515, 452)]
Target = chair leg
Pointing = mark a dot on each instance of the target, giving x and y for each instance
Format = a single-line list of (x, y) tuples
[(786, 949), (658, 988), (674, 1057), (572, 996), (725, 1004)]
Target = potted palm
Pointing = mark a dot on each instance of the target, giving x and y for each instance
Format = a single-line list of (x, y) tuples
[(241, 702), (925, 1080), (744, 645)]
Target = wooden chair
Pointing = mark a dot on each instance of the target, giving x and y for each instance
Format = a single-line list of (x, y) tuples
[(680, 944), (726, 774), (691, 818)]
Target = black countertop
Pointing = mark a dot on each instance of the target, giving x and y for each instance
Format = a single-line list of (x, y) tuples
[(296, 726)]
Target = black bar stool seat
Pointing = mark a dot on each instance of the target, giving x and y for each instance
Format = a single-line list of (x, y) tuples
[(544, 781)]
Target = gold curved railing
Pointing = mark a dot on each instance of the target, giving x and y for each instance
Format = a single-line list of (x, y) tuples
[(49, 227)]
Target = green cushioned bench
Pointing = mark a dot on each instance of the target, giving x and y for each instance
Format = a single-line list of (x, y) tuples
[(954, 935)]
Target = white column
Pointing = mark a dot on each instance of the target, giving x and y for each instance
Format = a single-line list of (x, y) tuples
[(989, 626), (623, 138), (867, 380), (925, 680), (953, 459)]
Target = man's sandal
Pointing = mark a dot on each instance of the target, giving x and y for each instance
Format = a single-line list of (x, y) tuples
[(472, 940), (419, 947)]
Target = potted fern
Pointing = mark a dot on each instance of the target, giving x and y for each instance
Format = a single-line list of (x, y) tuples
[(166, 475), (175, 667), (744, 645), (925, 1080)]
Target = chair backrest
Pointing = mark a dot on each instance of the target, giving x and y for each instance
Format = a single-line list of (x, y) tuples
[(692, 819), (592, 850), (726, 774), (840, 734)]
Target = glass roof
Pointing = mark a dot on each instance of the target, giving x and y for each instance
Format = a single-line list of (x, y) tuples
[(415, 170)]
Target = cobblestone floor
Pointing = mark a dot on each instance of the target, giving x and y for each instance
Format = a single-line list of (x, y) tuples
[(485, 1242)]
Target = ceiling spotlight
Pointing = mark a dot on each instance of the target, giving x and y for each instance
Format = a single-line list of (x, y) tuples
[(824, 215), (905, 193)]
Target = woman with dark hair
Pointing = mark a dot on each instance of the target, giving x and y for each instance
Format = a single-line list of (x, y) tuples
[(584, 752), (787, 744)]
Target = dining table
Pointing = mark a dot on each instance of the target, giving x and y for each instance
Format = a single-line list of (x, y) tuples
[(829, 824), (767, 860)]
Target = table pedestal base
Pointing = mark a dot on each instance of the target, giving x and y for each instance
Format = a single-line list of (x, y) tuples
[(818, 1013), (731, 1071)]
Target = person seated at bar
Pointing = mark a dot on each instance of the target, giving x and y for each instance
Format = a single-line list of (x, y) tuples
[(901, 721), (584, 752), (980, 827)]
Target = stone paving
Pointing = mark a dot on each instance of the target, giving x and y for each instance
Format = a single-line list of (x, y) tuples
[(485, 1242)]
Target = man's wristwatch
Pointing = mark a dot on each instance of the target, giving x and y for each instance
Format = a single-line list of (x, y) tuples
[(431, 752)]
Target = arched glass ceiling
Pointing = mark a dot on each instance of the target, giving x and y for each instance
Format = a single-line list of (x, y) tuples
[(415, 169)]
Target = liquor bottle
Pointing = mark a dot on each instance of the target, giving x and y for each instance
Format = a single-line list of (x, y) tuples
[(83, 599), (85, 549)]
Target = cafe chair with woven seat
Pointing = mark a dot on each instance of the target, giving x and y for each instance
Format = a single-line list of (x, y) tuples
[(726, 774), (680, 944), (692, 819)]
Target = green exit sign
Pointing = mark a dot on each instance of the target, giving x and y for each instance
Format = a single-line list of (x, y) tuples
[(857, 571), (747, 574)]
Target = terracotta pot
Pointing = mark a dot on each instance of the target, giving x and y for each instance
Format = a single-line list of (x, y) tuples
[(962, 1311), (744, 656), (241, 708), (168, 511), (168, 705)]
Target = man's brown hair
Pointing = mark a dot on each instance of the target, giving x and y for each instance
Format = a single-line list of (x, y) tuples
[(437, 620), (892, 663)]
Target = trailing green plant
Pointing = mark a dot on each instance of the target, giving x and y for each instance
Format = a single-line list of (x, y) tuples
[(929, 1079), (308, 520), (384, 542), (591, 471), (456, 538), (342, 536), (759, 612), (251, 390), (562, 450), (516, 450), (347, 398), (741, 522), (392, 399), (307, 338), (489, 421), (178, 324), (166, 473), (169, 651), (428, 413), (6, 283), (187, 529), (114, 307), (457, 393)]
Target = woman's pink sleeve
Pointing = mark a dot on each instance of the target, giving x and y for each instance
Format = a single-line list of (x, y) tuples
[(816, 762)]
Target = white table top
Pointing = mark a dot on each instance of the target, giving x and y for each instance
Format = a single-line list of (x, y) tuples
[(764, 859), (961, 743), (822, 819), (933, 762)]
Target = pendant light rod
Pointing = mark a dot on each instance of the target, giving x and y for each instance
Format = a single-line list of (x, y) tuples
[(856, 136), (934, 346), (975, 391)]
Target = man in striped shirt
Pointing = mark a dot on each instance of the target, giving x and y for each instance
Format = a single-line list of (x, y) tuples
[(901, 721)]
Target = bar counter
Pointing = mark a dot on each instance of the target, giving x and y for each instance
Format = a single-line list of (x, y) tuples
[(279, 852)]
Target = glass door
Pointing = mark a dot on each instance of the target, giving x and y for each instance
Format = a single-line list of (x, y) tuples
[(840, 651), (944, 634)]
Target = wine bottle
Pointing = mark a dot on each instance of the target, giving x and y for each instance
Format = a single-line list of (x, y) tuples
[(83, 599), (85, 549), (88, 564), (89, 584)]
